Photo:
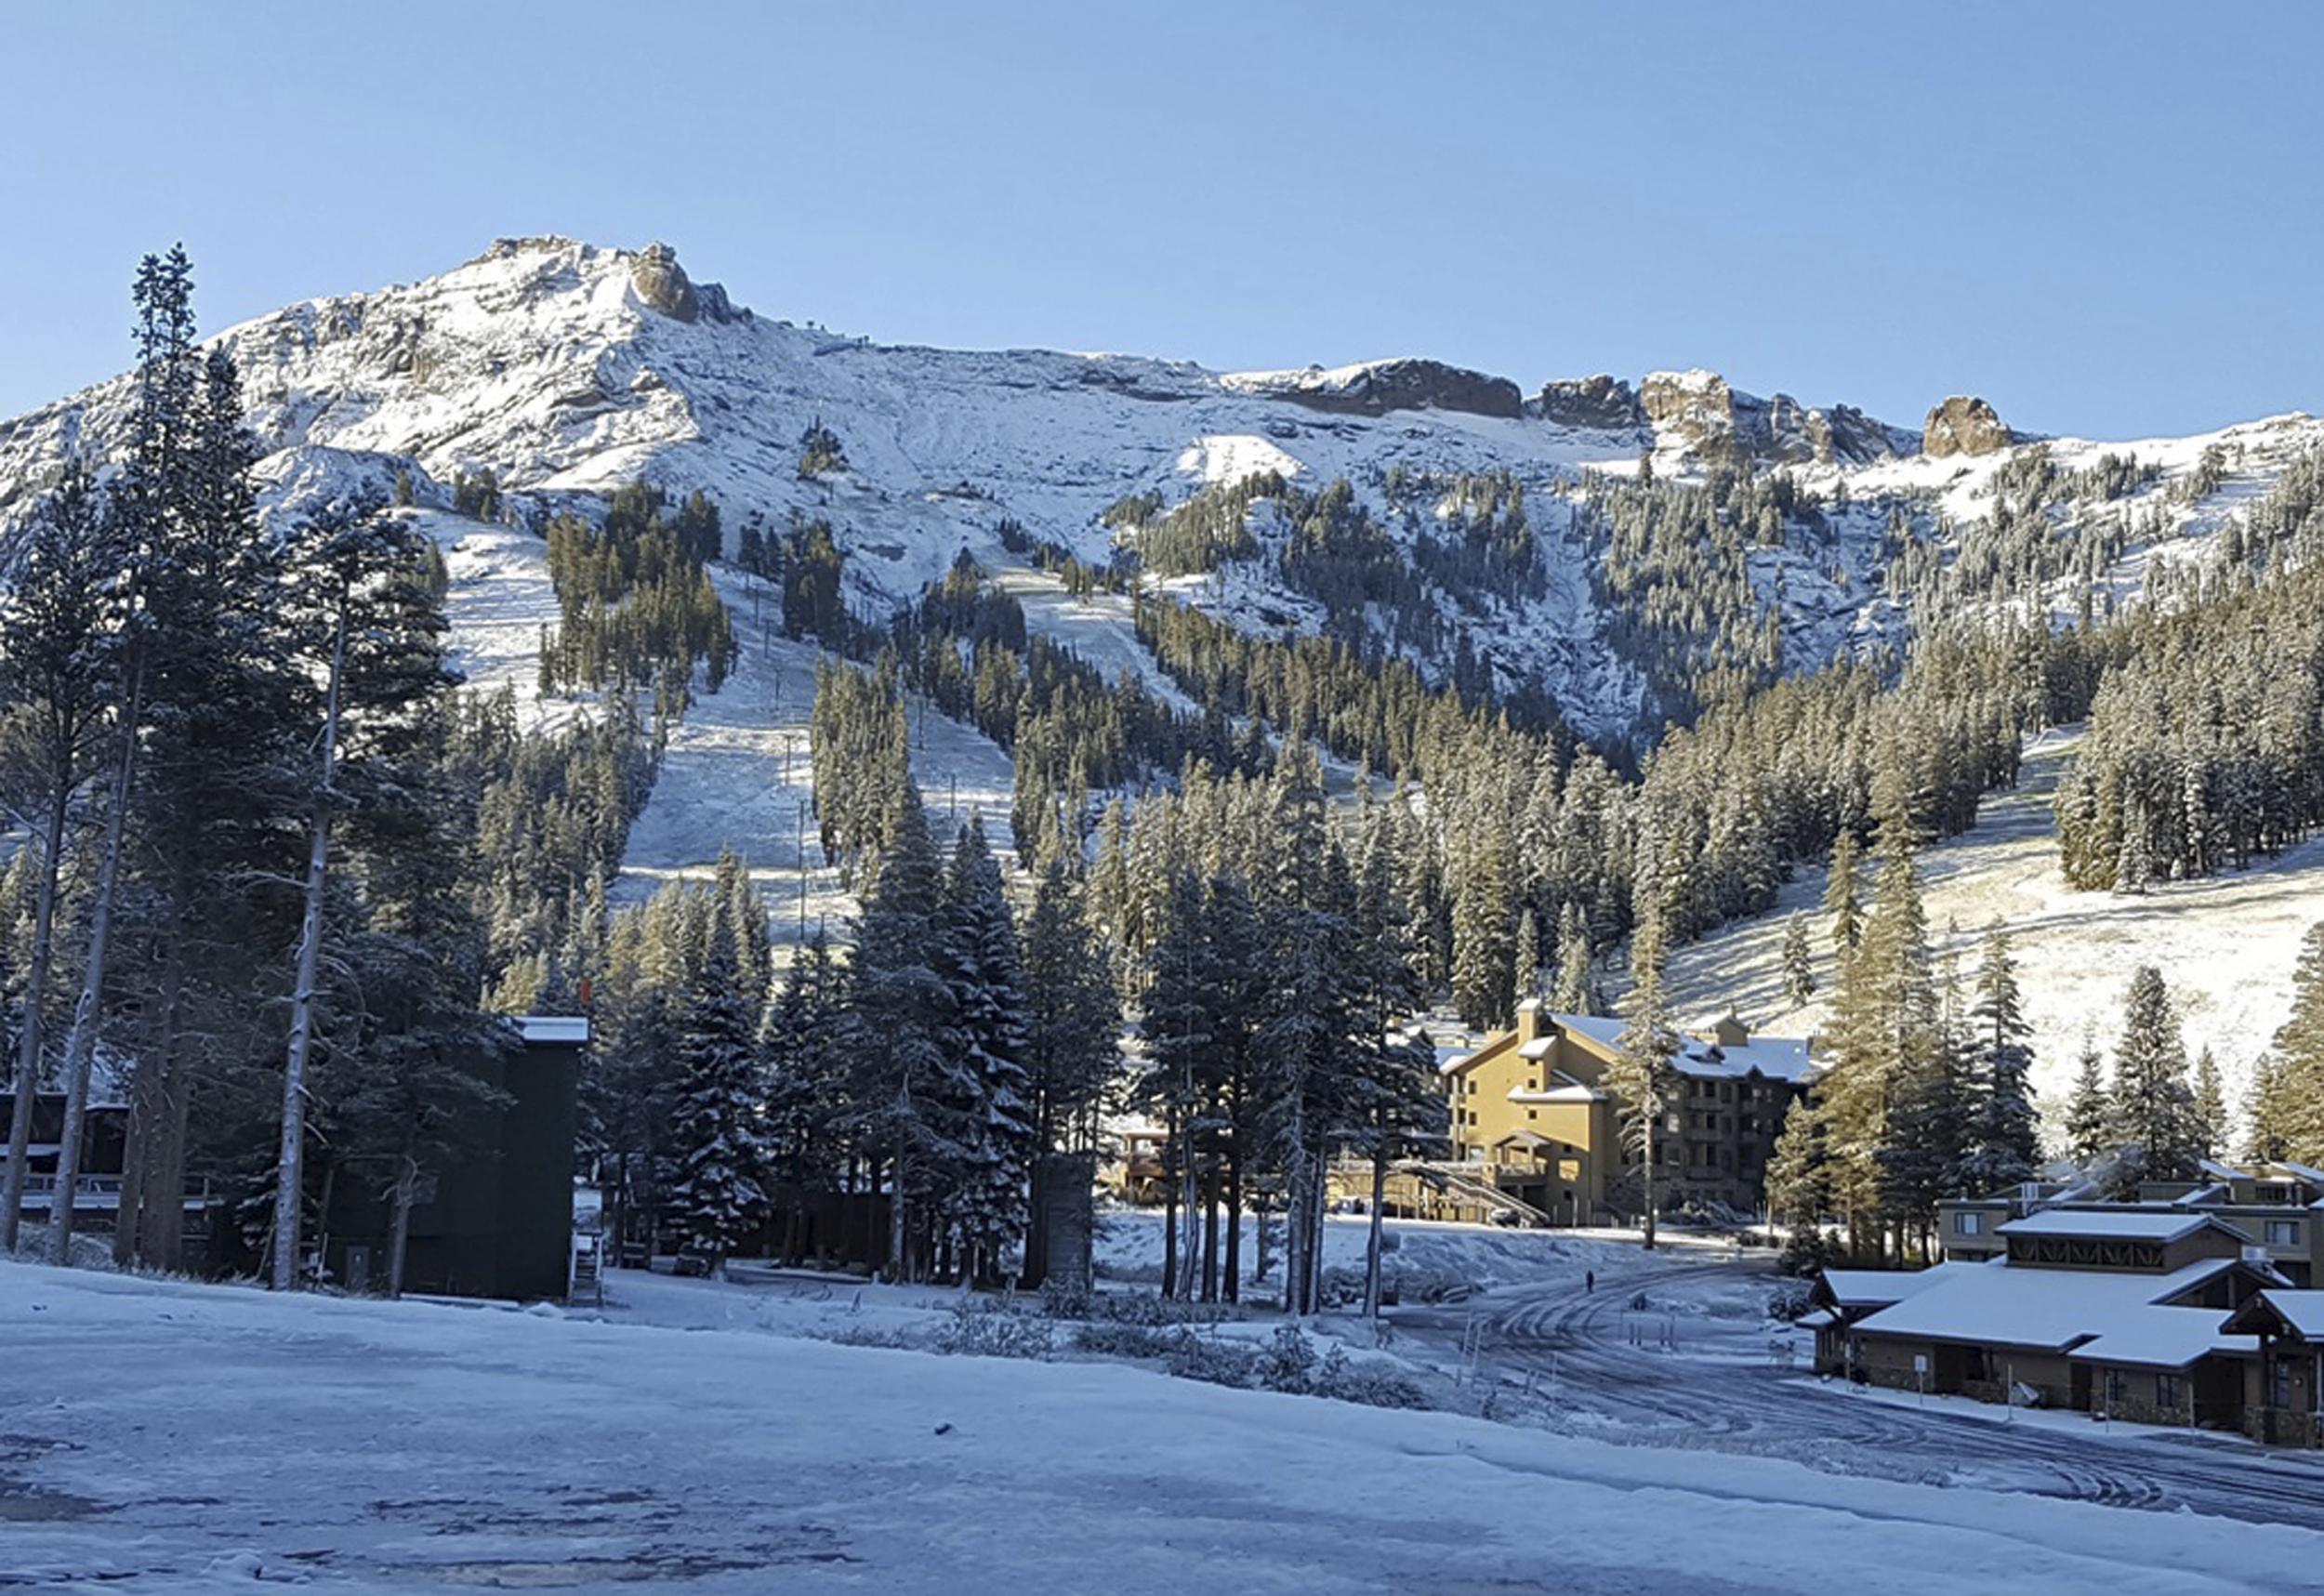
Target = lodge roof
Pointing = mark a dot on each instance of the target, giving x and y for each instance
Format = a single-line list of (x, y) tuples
[(2111, 1224), (2051, 1310), (2299, 1314)]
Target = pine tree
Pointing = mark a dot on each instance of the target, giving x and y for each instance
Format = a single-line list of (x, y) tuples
[(2004, 1138), (373, 633), (802, 1042), (1643, 1078), (1885, 1028), (721, 1153), (1574, 993), (1797, 1196), (904, 1033), (1799, 966), (1483, 975), (2210, 1107), (985, 1093), (2265, 1113), (2153, 1112), (2294, 1107), (1840, 895), (54, 660), (2089, 1114), (1528, 955), (151, 502)]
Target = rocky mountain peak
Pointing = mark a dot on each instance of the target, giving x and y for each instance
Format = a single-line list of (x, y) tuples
[(1964, 425)]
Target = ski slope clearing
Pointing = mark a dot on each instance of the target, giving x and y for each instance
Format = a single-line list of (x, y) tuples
[(2226, 946), (192, 1439)]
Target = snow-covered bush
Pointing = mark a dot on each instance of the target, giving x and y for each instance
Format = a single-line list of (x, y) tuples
[(1288, 1360), (987, 1332), (1116, 1340), (1369, 1384)]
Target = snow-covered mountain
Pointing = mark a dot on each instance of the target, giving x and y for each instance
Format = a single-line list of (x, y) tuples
[(566, 369)]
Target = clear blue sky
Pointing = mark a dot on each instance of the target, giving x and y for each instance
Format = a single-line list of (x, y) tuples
[(2106, 218)]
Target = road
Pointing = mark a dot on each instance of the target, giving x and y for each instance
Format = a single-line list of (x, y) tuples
[(1570, 1353)]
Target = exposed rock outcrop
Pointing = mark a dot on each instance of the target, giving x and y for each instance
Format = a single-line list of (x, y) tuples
[(1964, 425), (1708, 418), (662, 283), (1600, 403), (1376, 388)]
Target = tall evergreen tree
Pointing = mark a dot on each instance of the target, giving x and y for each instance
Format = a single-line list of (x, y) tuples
[(719, 1138), (803, 1045), (1574, 993), (2153, 1111), (2004, 1139), (1799, 963), (56, 623), (2294, 1107), (905, 1032), (2089, 1114), (2210, 1107), (1641, 1077), (985, 1092)]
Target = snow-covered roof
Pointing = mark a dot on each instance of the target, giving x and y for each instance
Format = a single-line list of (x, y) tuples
[(2111, 1224), (2219, 1171), (1880, 1288), (554, 1030), (2005, 1304), (2304, 1311), (1774, 1058), (2163, 1338)]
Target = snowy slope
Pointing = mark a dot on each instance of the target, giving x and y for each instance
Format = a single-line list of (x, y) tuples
[(366, 1447), (2226, 946), (567, 368)]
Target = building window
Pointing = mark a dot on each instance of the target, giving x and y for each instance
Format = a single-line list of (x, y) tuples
[(2283, 1233), (1969, 1225), (2280, 1385), (2169, 1392), (2115, 1390)]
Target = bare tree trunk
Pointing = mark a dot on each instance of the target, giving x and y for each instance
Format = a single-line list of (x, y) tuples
[(1371, 1242), (400, 1229), (1171, 1149), (895, 1218), (1210, 1230), (1295, 1215), (80, 1046), (288, 1175), (1234, 1286), (35, 998), (153, 1187)]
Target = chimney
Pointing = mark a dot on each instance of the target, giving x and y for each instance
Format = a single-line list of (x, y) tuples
[(1529, 1015)]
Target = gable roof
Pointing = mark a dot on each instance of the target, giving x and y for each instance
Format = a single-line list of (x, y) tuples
[(2301, 1313), (2111, 1224), (1884, 1287), (1774, 1058), (2051, 1310)]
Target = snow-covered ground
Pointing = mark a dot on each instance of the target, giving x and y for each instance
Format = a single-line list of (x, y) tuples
[(175, 1437), (2226, 946)]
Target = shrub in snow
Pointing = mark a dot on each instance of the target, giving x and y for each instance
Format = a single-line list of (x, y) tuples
[(1215, 1362), (871, 1335), (984, 1332), (1372, 1386), (1062, 1301), (1788, 1303), (1114, 1340), (1289, 1359)]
